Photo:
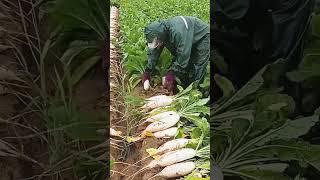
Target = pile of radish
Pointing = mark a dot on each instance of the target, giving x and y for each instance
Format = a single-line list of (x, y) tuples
[(172, 153), (173, 156), (157, 101), (163, 117), (164, 127)]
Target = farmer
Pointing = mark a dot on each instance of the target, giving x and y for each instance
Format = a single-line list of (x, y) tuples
[(188, 40)]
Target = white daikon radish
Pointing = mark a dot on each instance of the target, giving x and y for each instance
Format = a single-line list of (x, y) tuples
[(167, 133), (158, 101), (158, 97), (172, 157), (157, 110), (177, 170), (146, 85), (163, 80), (169, 146), (160, 116), (163, 123), (113, 132), (173, 145), (169, 158)]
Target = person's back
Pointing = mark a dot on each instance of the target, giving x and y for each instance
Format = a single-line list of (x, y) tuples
[(187, 38), (192, 26)]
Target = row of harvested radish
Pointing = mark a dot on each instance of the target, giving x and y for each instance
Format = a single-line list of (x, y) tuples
[(172, 156), (162, 124)]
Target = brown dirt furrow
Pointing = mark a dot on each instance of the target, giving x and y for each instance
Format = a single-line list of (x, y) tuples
[(116, 109)]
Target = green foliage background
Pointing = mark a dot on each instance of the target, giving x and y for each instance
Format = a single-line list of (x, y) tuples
[(135, 16), (256, 132)]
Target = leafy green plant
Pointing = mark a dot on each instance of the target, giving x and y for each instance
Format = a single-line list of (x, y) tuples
[(83, 26), (51, 72), (138, 15), (191, 106), (307, 73), (253, 136)]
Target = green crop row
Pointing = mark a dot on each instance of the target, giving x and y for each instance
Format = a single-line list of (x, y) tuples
[(134, 17)]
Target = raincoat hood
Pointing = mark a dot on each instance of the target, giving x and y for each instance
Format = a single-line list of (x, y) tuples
[(155, 30)]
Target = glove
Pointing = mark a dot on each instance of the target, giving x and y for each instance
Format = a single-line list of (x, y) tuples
[(169, 81), (146, 81)]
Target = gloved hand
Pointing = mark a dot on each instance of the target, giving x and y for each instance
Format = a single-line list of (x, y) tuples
[(146, 80), (169, 81)]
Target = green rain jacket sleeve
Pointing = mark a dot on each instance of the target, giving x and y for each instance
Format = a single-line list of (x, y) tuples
[(153, 56), (183, 44)]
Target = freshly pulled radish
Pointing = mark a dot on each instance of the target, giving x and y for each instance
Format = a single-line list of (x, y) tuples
[(169, 146), (169, 158), (168, 133), (113, 132), (163, 124), (173, 145), (155, 98), (172, 157), (158, 101), (160, 116), (157, 110), (163, 80), (146, 85), (177, 170)]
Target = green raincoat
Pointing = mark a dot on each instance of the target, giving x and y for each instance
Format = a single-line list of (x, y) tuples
[(188, 40)]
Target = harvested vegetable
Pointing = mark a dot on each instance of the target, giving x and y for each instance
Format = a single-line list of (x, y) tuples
[(158, 110), (113, 132), (160, 116), (163, 80), (163, 124), (173, 157), (173, 145), (169, 158), (169, 146), (146, 85), (157, 101), (168, 133), (177, 170)]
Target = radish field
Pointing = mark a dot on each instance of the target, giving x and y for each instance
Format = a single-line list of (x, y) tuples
[(154, 134)]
